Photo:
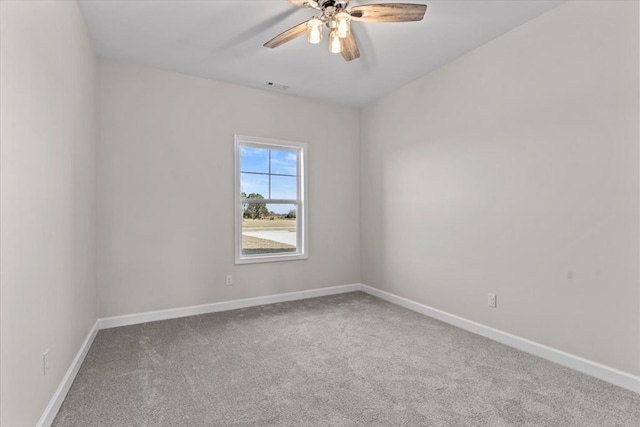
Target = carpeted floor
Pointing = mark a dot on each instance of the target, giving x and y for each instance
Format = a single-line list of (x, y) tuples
[(342, 360)]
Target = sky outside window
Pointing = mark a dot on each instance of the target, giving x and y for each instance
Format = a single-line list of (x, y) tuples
[(271, 173)]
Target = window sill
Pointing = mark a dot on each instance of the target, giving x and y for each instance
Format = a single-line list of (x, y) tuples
[(270, 258)]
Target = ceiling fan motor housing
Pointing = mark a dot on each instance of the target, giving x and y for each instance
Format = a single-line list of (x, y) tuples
[(336, 4)]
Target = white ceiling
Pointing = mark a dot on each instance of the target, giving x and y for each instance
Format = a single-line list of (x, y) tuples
[(222, 40)]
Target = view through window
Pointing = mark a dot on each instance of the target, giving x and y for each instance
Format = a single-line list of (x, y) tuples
[(270, 208)]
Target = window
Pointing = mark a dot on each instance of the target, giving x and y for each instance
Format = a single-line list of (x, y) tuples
[(270, 204)]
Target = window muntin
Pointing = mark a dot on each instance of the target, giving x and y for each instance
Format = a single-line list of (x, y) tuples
[(270, 203)]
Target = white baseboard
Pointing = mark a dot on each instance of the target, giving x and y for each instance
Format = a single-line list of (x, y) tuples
[(580, 364), (152, 316), (55, 403)]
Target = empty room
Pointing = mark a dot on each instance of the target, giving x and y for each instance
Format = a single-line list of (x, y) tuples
[(319, 213)]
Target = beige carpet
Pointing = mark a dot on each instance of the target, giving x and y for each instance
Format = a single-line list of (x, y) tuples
[(342, 360)]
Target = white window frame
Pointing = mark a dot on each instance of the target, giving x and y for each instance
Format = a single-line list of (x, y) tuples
[(302, 245)]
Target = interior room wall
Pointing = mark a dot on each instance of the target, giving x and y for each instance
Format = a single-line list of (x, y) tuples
[(47, 204), (514, 170), (166, 225)]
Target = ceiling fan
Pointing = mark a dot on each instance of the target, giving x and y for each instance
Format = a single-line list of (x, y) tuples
[(334, 14)]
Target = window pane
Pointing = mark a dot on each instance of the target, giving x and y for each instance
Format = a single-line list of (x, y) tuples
[(254, 159), (254, 184), (282, 210), (284, 187), (268, 229), (284, 162)]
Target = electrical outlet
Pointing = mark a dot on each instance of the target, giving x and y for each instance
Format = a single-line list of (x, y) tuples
[(45, 362), (492, 300), (229, 280)]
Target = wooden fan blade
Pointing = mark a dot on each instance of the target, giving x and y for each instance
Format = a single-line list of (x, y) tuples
[(287, 36), (350, 49), (302, 3), (250, 32), (389, 12)]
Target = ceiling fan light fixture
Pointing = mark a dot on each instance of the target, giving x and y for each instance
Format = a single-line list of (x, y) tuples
[(335, 45), (343, 24), (314, 30), (334, 14)]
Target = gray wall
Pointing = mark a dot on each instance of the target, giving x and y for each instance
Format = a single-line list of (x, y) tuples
[(165, 230), (47, 203), (514, 170)]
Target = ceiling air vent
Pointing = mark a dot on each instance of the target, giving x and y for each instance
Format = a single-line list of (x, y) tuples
[(277, 86)]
